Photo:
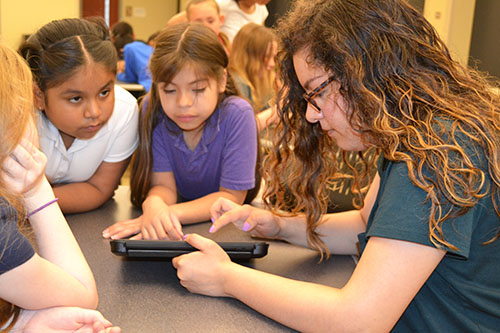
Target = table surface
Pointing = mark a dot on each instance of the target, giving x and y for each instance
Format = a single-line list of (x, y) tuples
[(130, 86), (145, 295)]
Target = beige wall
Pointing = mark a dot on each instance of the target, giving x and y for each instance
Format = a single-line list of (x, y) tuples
[(18, 17), (147, 16), (453, 19)]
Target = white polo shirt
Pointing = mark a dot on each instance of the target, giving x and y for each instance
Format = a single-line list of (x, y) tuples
[(235, 18), (114, 142)]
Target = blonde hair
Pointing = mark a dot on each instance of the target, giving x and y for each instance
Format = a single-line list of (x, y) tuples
[(248, 57), (16, 103), (16, 109), (196, 2)]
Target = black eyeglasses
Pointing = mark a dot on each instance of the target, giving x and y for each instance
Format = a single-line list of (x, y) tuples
[(309, 97)]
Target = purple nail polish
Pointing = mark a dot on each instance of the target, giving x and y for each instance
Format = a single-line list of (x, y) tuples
[(212, 219), (211, 229), (246, 226), (185, 236)]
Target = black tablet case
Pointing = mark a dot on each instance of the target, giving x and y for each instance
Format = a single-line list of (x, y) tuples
[(165, 249)]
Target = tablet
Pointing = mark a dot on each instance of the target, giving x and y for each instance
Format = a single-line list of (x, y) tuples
[(166, 249)]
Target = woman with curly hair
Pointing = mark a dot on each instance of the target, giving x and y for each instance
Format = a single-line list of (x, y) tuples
[(361, 75)]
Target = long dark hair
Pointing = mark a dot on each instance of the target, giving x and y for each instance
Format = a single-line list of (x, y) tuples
[(59, 48), (176, 46), (400, 83)]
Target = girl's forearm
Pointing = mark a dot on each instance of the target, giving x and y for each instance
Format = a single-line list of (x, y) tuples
[(56, 243), (198, 210), (80, 197)]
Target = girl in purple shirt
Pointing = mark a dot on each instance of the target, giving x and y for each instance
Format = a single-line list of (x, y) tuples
[(197, 141)]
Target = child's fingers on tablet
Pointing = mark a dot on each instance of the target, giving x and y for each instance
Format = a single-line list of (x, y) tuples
[(137, 236), (176, 225), (122, 229)]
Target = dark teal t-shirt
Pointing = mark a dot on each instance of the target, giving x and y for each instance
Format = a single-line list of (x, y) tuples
[(463, 292)]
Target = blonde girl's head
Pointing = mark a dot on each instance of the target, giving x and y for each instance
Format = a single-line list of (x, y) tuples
[(16, 103), (16, 112), (253, 50)]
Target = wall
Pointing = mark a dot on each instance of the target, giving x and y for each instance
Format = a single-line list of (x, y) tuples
[(453, 20), (19, 17), (485, 46), (147, 16), (24, 17)]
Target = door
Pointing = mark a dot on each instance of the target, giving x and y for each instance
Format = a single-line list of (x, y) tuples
[(97, 8)]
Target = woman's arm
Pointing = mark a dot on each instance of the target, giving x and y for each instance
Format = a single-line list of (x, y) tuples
[(85, 196), (339, 231), (386, 279)]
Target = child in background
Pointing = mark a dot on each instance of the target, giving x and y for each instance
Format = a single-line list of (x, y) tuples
[(252, 67), (39, 290), (197, 141), (136, 54), (207, 12), (237, 13), (87, 125)]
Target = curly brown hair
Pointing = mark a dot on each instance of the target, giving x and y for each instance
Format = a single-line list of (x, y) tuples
[(409, 99)]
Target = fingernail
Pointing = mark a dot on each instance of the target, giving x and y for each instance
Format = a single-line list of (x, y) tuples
[(212, 228), (246, 226), (185, 236), (212, 219), (105, 234)]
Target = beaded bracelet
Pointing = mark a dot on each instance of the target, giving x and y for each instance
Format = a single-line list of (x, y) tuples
[(42, 207)]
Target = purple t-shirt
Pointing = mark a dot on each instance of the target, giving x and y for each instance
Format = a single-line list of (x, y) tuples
[(224, 157)]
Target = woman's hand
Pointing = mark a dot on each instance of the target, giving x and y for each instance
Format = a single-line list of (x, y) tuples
[(259, 222), (63, 319), (203, 271), (23, 169)]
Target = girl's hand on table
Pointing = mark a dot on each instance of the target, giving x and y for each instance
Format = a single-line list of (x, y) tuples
[(64, 319), (162, 225), (124, 229), (160, 222)]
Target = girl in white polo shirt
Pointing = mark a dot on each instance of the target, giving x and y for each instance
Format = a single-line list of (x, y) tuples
[(87, 125)]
